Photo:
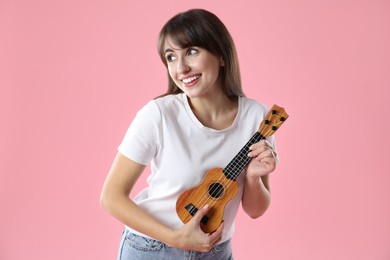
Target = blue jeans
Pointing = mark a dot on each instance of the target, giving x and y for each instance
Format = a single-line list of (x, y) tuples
[(136, 247)]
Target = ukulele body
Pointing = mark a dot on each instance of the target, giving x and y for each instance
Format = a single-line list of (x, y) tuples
[(216, 191)]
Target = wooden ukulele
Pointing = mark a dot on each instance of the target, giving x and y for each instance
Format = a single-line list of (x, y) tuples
[(219, 185)]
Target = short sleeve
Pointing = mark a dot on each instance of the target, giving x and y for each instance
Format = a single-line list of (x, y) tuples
[(142, 138)]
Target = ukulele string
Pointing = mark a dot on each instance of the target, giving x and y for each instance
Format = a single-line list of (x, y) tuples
[(216, 191), (225, 182), (280, 122), (238, 172), (261, 137)]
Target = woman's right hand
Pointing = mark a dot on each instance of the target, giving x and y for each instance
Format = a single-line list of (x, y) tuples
[(191, 237)]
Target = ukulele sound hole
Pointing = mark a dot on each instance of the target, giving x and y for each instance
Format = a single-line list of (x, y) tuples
[(216, 190)]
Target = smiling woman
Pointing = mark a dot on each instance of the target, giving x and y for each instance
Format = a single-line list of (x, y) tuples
[(200, 123)]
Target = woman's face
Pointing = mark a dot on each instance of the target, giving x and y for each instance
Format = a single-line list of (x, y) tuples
[(194, 70)]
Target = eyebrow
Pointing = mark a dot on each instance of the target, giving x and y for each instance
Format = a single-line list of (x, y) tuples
[(168, 50), (173, 49)]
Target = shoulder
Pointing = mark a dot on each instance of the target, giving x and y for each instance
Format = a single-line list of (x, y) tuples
[(250, 106), (169, 102), (157, 107)]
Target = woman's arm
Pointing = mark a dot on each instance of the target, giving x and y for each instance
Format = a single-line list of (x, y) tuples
[(256, 197), (115, 200)]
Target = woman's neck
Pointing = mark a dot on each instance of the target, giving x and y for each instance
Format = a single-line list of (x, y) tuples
[(217, 111)]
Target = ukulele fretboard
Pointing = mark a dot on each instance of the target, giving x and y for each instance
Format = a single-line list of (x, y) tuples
[(237, 165)]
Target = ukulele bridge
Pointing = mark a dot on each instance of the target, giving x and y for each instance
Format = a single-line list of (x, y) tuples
[(191, 209)]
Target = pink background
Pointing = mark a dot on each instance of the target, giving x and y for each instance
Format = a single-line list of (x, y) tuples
[(74, 73)]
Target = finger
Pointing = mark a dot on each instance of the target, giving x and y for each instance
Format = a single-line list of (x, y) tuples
[(271, 148), (219, 229), (216, 236), (267, 153), (200, 214), (258, 148), (257, 145), (256, 151), (268, 163), (268, 143), (213, 239), (216, 242), (274, 154)]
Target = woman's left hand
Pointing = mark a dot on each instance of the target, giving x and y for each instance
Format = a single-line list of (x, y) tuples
[(263, 160)]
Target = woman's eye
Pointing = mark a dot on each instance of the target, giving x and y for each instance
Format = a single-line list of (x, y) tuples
[(192, 51), (170, 58)]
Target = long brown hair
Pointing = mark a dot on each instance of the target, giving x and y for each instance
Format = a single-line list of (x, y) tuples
[(201, 28)]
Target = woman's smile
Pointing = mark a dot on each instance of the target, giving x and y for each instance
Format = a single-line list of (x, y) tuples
[(191, 80)]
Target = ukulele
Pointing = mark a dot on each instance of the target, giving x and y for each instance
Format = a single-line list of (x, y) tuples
[(219, 185)]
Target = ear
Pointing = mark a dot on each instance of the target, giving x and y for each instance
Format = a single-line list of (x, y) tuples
[(221, 62)]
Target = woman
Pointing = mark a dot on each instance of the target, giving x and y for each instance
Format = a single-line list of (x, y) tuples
[(200, 123)]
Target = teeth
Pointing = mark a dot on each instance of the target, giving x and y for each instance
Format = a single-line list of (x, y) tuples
[(188, 80)]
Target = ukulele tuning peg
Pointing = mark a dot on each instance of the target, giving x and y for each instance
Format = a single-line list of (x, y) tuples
[(275, 117)]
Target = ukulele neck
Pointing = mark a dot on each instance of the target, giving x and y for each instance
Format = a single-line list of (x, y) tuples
[(239, 162)]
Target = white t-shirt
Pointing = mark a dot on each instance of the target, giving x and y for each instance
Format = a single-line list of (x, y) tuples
[(180, 150)]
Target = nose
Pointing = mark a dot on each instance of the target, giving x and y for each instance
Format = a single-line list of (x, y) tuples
[(182, 66)]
